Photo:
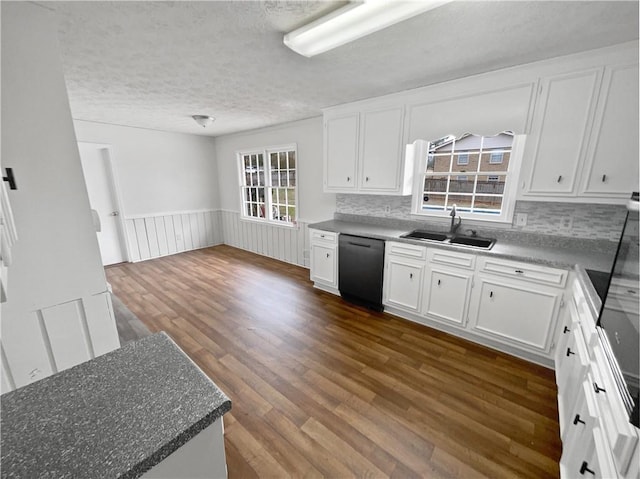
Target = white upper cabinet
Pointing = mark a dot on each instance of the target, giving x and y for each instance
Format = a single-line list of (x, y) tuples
[(364, 152), (612, 161), (560, 129), (341, 153)]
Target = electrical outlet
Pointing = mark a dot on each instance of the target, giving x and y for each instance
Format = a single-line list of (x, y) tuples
[(566, 223), (387, 209), (178, 237), (521, 219)]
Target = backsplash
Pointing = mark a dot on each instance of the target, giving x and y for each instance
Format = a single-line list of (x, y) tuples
[(586, 220)]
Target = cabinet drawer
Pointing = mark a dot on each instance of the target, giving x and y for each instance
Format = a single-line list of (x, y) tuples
[(459, 260), (323, 237), (407, 250), (528, 272)]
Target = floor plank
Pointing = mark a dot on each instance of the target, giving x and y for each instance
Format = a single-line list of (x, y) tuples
[(322, 388)]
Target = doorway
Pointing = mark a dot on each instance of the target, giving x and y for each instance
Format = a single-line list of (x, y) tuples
[(103, 198)]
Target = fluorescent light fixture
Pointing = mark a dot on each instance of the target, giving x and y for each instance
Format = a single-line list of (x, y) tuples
[(352, 22)]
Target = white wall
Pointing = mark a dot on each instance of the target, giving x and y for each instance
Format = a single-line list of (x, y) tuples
[(57, 311), (307, 134), (158, 172)]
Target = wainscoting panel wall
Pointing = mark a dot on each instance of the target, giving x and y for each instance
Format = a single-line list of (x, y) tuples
[(164, 234), (67, 334), (283, 243)]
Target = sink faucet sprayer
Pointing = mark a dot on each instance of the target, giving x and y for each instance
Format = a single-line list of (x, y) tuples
[(454, 225)]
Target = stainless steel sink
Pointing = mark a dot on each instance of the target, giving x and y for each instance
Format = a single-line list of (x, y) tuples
[(474, 241), (425, 235), (461, 240)]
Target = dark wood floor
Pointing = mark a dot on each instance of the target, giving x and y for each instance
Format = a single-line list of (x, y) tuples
[(323, 388)]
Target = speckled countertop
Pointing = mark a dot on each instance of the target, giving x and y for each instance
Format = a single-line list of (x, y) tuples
[(115, 416), (577, 254)]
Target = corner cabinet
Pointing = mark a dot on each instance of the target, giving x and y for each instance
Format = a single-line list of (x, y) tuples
[(324, 260), (364, 152)]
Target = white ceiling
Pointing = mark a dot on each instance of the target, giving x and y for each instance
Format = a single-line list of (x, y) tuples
[(154, 64)]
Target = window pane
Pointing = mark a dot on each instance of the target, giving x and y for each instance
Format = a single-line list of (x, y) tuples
[(490, 160), (488, 204), (441, 163), (433, 201), (491, 184), (274, 161), (462, 202), (465, 161), (461, 184), (283, 160), (292, 177), (292, 160), (435, 183), (291, 196), (283, 178)]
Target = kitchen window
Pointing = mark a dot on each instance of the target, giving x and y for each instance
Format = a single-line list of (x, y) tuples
[(476, 173), (268, 184)]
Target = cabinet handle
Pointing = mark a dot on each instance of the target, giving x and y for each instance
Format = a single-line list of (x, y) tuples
[(366, 178), (491, 294), (327, 255), (410, 275), (585, 468), (348, 179), (559, 178), (604, 178), (565, 330), (519, 271), (569, 352), (577, 420), (438, 282), (321, 236), (598, 389)]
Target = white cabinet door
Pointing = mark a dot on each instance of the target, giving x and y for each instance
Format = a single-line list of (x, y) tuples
[(563, 119), (613, 155), (520, 313), (324, 264), (403, 283), (381, 149), (341, 152), (447, 294)]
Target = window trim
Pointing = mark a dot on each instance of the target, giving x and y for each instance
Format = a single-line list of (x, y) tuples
[(510, 189), (265, 151)]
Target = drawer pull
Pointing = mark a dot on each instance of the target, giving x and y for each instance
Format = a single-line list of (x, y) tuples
[(519, 271), (585, 468), (569, 352), (559, 178), (438, 282), (321, 236), (577, 420), (598, 389), (565, 330)]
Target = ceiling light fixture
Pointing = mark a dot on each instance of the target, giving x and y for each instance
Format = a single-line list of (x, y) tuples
[(352, 22), (203, 120)]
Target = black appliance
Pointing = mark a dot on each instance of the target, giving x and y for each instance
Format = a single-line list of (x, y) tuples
[(619, 316), (360, 270)]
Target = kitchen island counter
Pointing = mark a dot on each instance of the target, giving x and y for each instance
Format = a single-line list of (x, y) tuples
[(117, 415)]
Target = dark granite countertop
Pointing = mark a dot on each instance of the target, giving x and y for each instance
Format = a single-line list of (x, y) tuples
[(115, 416)]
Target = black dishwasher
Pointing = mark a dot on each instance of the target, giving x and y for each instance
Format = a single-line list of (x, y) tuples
[(360, 270)]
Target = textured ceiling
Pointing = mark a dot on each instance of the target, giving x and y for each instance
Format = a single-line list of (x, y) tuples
[(154, 64)]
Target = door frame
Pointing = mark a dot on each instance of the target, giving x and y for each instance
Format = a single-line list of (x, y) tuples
[(112, 181)]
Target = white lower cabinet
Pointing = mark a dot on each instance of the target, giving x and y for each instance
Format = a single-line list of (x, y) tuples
[(447, 286), (403, 274), (597, 438), (324, 259)]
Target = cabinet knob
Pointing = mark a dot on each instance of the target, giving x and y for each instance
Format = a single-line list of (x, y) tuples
[(585, 468), (565, 330), (604, 178), (559, 178), (577, 420), (598, 389), (569, 352)]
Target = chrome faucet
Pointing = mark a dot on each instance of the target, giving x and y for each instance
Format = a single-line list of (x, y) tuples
[(454, 225)]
